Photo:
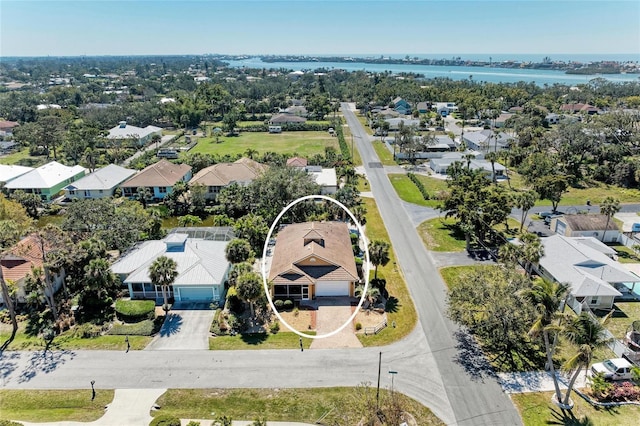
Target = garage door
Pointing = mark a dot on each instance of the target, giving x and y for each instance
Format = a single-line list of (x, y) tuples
[(194, 293), (332, 288)]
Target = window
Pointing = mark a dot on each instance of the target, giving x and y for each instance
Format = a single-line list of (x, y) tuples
[(136, 286), (87, 193), (594, 300), (162, 189)]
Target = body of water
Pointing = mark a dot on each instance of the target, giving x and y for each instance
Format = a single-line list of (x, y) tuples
[(485, 74)]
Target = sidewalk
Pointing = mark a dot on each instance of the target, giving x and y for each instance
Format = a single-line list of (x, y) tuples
[(535, 381)]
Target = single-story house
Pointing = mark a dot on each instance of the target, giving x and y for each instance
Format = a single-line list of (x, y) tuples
[(501, 119), (297, 162), (159, 178), (580, 107), (99, 184), (442, 143), (9, 172), (280, 119), (424, 107), (313, 259), (298, 110), (47, 181), (221, 175), (394, 123), (326, 178), (201, 264), (586, 225), (586, 264), (141, 136), (18, 262), (7, 126), (552, 118), (7, 146), (440, 165), (486, 140)]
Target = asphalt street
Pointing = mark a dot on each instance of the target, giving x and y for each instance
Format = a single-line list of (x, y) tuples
[(473, 391)]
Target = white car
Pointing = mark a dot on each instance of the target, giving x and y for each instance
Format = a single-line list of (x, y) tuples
[(614, 369)]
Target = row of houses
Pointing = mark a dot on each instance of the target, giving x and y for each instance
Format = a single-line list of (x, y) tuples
[(52, 179)]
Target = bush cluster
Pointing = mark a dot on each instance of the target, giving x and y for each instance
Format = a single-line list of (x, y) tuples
[(141, 328), (344, 147), (165, 420), (625, 391), (419, 184), (135, 310), (287, 305)]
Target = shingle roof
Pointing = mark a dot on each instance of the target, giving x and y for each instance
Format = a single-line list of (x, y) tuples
[(162, 173), (17, 263), (223, 174), (330, 247), (46, 176), (589, 222), (297, 162), (286, 118), (106, 178)]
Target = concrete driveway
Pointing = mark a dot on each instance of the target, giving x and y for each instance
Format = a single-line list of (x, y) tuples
[(186, 328), (332, 313)]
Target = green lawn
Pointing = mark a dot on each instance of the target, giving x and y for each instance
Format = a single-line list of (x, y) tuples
[(453, 274), (301, 143), (536, 409), (408, 191), (386, 157), (53, 405), (23, 154), (625, 254), (625, 313), (66, 341), (403, 313), (440, 234), (281, 340), (343, 405), (433, 185)]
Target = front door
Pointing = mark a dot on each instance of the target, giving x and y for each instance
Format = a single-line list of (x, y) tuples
[(305, 292)]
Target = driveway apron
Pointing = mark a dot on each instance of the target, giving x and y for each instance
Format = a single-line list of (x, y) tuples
[(332, 313), (186, 328)]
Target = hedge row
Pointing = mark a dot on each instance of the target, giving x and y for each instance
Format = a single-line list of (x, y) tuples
[(142, 328), (419, 184), (344, 147), (293, 127), (135, 310)]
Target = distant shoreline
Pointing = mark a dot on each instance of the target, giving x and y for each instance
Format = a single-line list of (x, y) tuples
[(569, 67)]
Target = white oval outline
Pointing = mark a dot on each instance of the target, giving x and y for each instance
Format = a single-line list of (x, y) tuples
[(264, 266)]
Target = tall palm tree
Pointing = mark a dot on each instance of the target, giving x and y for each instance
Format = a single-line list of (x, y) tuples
[(547, 297), (532, 250), (492, 157), (509, 254), (588, 334), (609, 207), (378, 254), (524, 201), (163, 272)]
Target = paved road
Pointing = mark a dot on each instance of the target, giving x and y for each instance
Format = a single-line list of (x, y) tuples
[(475, 397)]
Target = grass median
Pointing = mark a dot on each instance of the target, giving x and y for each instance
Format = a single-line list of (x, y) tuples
[(53, 405), (280, 340)]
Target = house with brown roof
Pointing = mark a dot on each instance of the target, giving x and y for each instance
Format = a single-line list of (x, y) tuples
[(579, 107), (297, 162), (586, 225), (18, 263), (313, 259), (221, 175), (159, 178)]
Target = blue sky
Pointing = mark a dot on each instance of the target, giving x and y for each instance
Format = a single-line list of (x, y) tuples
[(54, 27)]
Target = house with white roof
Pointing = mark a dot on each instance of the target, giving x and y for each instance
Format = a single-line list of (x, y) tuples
[(326, 178), (10, 172), (486, 140), (47, 181), (201, 265), (442, 164), (99, 184), (142, 136), (587, 265)]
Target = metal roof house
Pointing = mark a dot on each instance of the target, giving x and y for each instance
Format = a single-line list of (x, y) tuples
[(99, 184), (142, 136), (587, 266), (10, 172), (201, 264), (47, 181)]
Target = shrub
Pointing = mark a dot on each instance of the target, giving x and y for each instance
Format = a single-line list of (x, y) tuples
[(142, 328), (274, 327), (278, 304), (419, 185), (193, 423), (288, 304), (296, 311), (135, 310), (165, 420), (358, 326), (10, 423), (86, 331)]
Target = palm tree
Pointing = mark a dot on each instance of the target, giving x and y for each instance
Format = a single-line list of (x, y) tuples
[(509, 254), (524, 201), (547, 296), (588, 334), (609, 207), (372, 294), (492, 157), (468, 158), (532, 250), (378, 254), (163, 272), (250, 153)]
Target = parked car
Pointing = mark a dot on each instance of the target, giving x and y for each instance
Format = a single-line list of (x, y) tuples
[(439, 129), (613, 369)]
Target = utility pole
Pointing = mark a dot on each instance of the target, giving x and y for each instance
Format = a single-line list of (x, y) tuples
[(378, 391)]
